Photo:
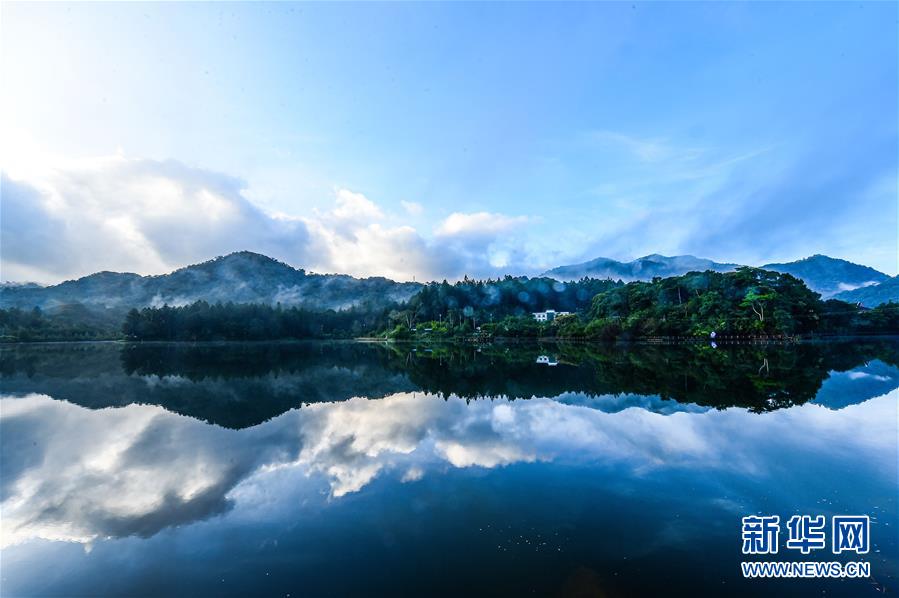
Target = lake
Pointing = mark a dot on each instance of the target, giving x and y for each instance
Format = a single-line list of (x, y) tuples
[(319, 469)]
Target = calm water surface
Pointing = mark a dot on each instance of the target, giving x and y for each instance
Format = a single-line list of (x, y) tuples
[(317, 469)]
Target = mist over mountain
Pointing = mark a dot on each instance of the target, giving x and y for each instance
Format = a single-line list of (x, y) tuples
[(247, 277), (873, 295), (14, 284), (242, 277), (829, 276), (644, 268), (825, 275)]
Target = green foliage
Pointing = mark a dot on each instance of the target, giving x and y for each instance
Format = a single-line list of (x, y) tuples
[(519, 326), (65, 323), (839, 317), (230, 321), (748, 301), (480, 301), (400, 332), (500, 307)]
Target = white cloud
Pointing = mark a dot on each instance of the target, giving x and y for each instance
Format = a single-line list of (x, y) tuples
[(134, 215), (150, 217), (489, 242), (413, 474), (478, 224), (355, 208)]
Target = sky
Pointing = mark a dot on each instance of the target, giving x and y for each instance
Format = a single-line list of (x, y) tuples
[(431, 140)]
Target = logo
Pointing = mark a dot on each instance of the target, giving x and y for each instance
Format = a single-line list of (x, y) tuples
[(851, 534), (760, 534), (805, 533)]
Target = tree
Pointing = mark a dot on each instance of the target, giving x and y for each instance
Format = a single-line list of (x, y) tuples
[(756, 298), (131, 327)]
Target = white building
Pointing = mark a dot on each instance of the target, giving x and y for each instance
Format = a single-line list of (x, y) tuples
[(547, 360), (549, 315)]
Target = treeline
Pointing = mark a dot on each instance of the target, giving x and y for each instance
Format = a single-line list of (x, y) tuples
[(68, 323), (492, 300), (748, 301), (444, 309), (202, 321)]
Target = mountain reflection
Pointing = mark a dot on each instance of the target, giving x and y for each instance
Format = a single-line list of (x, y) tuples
[(242, 385), (75, 470)]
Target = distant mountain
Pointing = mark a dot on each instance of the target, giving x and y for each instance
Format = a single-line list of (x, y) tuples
[(10, 284), (644, 268), (829, 276), (246, 277), (873, 295), (242, 277), (825, 275)]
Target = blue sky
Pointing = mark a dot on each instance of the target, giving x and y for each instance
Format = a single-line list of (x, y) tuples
[(434, 140)]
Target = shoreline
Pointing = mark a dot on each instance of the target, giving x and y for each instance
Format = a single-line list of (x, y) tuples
[(660, 341)]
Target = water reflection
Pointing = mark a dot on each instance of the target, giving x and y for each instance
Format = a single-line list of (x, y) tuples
[(241, 385), (76, 470), (82, 475)]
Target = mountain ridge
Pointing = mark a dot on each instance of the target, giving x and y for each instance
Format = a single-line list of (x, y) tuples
[(830, 276), (825, 275), (872, 295), (240, 277), (249, 277), (642, 268)]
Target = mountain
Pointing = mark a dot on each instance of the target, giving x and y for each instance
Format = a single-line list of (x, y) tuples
[(644, 268), (246, 277), (242, 277), (12, 284), (829, 276), (873, 295), (825, 275)]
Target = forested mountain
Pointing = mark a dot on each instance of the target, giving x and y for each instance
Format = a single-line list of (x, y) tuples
[(247, 296), (644, 268), (247, 277), (829, 276), (822, 274), (451, 308), (873, 295), (242, 277), (750, 301)]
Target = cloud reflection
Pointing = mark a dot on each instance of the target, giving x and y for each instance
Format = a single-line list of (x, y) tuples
[(81, 475)]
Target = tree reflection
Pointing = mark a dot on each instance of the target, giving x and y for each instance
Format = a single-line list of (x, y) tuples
[(238, 385)]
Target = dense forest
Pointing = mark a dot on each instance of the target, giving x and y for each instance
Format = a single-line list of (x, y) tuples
[(247, 322), (748, 302), (69, 323), (443, 309)]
